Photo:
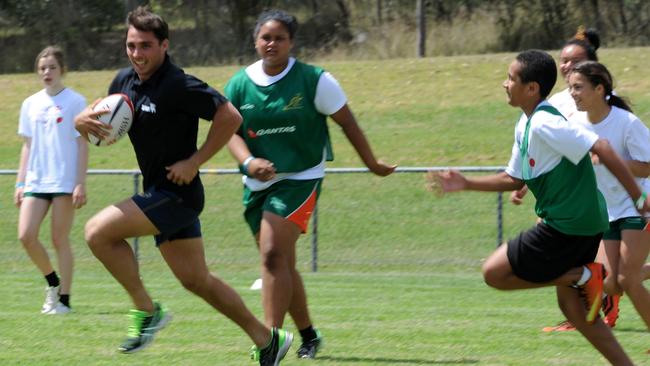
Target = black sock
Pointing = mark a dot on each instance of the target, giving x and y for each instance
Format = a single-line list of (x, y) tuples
[(52, 279), (65, 300), (308, 334)]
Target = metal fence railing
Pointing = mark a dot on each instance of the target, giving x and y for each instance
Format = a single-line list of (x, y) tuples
[(314, 227)]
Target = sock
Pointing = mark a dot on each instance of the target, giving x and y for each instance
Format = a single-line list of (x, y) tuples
[(586, 275), (308, 334), (52, 279), (65, 300)]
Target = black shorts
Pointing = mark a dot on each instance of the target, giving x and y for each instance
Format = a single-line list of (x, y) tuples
[(543, 254), (169, 215), (46, 196)]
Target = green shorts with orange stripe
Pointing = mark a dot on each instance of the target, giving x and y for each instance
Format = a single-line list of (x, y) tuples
[(294, 200)]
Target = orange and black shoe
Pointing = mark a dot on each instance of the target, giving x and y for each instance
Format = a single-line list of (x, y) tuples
[(563, 326), (592, 291), (611, 309)]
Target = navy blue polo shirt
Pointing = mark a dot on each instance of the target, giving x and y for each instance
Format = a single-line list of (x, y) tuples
[(164, 131)]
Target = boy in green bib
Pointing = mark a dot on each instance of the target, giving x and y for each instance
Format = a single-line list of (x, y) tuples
[(551, 156)]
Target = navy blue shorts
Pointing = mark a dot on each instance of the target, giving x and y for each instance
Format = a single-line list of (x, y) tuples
[(169, 215)]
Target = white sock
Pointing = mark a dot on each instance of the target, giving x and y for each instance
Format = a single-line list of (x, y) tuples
[(586, 275)]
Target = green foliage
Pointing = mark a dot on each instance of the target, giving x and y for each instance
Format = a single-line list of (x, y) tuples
[(547, 24), (534, 24), (50, 16), (78, 26)]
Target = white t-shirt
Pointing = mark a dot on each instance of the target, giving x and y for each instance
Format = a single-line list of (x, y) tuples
[(329, 99), (550, 138), (564, 103), (630, 138), (49, 122)]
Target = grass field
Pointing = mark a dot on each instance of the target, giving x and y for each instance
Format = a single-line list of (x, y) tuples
[(399, 270)]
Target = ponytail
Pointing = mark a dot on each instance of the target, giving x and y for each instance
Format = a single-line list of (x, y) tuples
[(620, 102)]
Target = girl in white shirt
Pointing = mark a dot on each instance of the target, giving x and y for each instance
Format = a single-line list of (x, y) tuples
[(626, 244), (52, 173)]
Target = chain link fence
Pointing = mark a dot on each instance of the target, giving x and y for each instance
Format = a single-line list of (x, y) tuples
[(361, 220)]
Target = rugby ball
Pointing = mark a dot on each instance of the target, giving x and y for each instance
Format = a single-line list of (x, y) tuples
[(119, 116)]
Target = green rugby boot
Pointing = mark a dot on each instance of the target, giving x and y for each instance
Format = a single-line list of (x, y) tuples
[(272, 354), (143, 328)]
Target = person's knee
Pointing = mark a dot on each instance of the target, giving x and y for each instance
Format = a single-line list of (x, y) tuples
[(194, 281), (626, 280), (60, 241), (28, 238), (492, 276), (94, 232), (273, 258)]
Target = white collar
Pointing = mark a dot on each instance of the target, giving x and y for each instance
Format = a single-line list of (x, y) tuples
[(256, 73)]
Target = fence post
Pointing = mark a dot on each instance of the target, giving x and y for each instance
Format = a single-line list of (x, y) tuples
[(314, 240), (499, 218), (136, 186)]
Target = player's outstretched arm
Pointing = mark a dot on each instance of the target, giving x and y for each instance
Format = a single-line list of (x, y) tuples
[(444, 182), (225, 123), (454, 181), (344, 118), (613, 162)]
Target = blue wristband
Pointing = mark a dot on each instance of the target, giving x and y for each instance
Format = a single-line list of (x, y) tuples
[(20, 184)]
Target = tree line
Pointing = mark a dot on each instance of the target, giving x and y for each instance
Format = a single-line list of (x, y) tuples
[(211, 32)]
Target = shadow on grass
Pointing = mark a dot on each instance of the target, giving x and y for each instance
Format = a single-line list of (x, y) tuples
[(630, 330), (393, 361)]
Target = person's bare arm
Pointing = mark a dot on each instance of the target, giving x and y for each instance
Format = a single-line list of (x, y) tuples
[(225, 123), (344, 118)]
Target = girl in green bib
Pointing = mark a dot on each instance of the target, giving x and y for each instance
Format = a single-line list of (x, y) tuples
[(281, 147)]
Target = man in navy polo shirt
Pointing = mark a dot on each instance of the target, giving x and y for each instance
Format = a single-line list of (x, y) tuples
[(168, 104)]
